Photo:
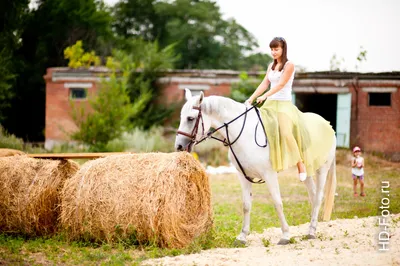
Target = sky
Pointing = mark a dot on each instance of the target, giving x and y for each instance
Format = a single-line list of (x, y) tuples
[(315, 30)]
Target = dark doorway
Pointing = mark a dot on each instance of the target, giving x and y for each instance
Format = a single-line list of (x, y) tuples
[(323, 104)]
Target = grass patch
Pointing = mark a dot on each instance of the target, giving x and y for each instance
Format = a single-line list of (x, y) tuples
[(266, 242), (10, 141)]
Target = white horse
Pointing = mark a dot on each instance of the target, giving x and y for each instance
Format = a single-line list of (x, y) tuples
[(201, 113)]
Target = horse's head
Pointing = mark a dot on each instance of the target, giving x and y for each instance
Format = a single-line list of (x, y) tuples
[(193, 125)]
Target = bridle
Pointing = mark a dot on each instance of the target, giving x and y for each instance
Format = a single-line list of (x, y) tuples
[(226, 141), (193, 135)]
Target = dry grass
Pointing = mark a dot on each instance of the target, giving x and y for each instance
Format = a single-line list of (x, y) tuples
[(160, 198), (10, 152), (30, 194)]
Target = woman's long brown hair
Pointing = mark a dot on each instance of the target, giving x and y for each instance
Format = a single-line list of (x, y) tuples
[(276, 42)]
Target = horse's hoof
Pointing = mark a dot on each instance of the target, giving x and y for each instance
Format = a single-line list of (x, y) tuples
[(309, 236), (283, 241), (239, 243)]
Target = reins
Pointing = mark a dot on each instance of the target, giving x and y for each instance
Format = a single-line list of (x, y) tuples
[(227, 141)]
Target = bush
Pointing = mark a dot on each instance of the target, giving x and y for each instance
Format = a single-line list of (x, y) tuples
[(213, 153), (138, 140), (210, 152), (69, 148)]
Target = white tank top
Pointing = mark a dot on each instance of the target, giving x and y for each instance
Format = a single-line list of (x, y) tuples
[(285, 94)]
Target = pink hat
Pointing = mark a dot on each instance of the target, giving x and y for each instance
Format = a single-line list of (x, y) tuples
[(356, 148)]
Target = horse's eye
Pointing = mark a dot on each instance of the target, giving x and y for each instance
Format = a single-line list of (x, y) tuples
[(190, 119)]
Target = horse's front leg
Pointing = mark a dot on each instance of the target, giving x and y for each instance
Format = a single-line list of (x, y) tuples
[(247, 199), (321, 180), (309, 182), (271, 179)]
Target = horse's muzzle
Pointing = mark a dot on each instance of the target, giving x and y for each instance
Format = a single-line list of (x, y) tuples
[(188, 147), (179, 147)]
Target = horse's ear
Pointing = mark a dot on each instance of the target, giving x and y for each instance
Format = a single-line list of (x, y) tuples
[(188, 94), (201, 97)]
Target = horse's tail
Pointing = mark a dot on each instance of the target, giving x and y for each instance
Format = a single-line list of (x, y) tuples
[(330, 190)]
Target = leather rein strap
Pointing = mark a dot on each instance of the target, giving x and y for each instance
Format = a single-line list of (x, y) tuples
[(227, 141)]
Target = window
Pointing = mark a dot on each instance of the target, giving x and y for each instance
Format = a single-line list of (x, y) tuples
[(379, 99), (77, 93)]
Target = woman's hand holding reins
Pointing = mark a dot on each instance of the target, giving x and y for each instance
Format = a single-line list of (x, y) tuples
[(261, 99)]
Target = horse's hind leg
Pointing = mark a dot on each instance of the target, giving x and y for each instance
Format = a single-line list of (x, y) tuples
[(271, 179), (247, 198), (321, 180)]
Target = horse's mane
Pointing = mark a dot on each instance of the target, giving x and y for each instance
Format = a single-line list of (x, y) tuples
[(214, 104), (222, 99), (220, 104)]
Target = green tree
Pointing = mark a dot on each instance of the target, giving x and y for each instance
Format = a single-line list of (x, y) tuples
[(205, 39), (47, 31), (201, 37), (193, 24), (6, 80), (151, 62), (256, 62), (79, 58), (137, 18), (111, 109), (242, 90), (12, 16), (235, 42)]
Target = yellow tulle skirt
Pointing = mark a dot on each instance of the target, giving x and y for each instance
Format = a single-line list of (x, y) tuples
[(295, 136)]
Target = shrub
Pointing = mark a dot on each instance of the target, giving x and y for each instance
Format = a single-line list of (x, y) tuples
[(142, 141)]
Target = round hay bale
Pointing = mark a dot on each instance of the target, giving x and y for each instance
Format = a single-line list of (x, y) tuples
[(30, 194), (10, 152), (158, 198)]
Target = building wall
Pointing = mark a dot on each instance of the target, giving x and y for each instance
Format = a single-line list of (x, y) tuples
[(59, 107), (376, 128), (59, 123), (174, 92), (372, 128)]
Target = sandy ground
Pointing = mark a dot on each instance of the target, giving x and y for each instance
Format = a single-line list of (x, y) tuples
[(339, 242)]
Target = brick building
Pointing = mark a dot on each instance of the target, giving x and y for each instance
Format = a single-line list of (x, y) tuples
[(367, 107), (363, 108)]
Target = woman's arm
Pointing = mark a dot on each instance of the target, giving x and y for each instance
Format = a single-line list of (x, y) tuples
[(261, 88), (289, 69)]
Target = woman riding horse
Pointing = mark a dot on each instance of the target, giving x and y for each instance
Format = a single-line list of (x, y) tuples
[(287, 128)]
